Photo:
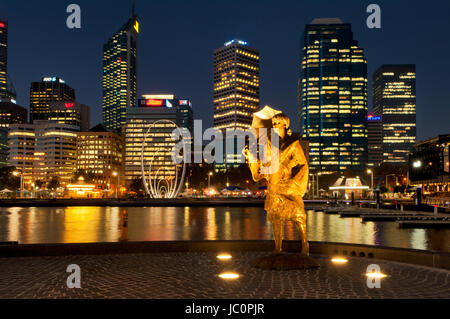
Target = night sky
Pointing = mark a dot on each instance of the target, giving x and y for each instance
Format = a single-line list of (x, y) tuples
[(177, 39)]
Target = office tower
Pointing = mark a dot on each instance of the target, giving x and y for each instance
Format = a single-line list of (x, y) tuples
[(374, 140), (7, 91), (333, 97), (394, 98), (148, 132), (51, 88), (43, 151), (101, 152), (10, 113), (72, 113), (120, 74), (236, 85), (236, 93)]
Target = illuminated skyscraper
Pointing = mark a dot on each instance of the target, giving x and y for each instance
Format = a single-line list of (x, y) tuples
[(120, 74), (394, 97), (101, 152), (236, 90), (236, 85), (50, 89), (148, 129), (72, 113), (374, 140), (10, 113), (7, 92), (43, 151), (333, 97)]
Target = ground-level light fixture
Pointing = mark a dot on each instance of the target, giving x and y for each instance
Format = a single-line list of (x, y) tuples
[(229, 275), (339, 260), (375, 275), (224, 256)]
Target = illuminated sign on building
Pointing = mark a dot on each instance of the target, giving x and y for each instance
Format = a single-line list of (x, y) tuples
[(371, 117), (68, 105), (233, 41), (2, 25), (153, 102), (136, 26), (52, 79), (183, 102)]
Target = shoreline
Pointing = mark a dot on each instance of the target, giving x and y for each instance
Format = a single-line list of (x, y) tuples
[(177, 202), (429, 258)]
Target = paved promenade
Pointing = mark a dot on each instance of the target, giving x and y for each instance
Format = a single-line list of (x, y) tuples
[(194, 275)]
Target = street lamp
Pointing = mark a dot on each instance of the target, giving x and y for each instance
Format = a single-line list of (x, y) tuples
[(16, 173), (209, 180), (369, 171), (118, 182)]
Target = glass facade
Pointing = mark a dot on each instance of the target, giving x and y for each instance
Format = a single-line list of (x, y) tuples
[(394, 97), (120, 74), (374, 139), (160, 114), (50, 89), (72, 113), (7, 92), (43, 150), (236, 92), (333, 97), (101, 153)]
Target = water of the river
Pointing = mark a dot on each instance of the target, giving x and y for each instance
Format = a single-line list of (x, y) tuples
[(111, 224)]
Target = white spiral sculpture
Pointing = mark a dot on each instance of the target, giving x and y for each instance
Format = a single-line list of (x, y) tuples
[(158, 185)]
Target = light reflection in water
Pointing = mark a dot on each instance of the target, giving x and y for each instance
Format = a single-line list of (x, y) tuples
[(103, 224)]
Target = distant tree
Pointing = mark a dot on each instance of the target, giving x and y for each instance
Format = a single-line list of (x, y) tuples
[(54, 183), (137, 185), (7, 179), (39, 183)]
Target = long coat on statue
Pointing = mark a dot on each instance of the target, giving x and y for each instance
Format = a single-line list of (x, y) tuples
[(288, 184)]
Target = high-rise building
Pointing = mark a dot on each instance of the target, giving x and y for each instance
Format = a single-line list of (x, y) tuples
[(43, 151), (72, 113), (236, 93), (10, 113), (394, 98), (120, 74), (101, 152), (236, 85), (51, 88), (3, 59), (374, 140), (148, 133), (6, 89), (333, 97)]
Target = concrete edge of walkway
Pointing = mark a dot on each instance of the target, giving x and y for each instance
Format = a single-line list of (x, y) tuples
[(411, 256)]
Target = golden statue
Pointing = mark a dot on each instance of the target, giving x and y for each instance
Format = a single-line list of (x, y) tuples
[(287, 183)]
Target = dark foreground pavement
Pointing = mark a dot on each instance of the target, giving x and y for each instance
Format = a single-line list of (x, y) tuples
[(195, 275)]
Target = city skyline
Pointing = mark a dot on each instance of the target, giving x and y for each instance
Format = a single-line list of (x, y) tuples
[(179, 77)]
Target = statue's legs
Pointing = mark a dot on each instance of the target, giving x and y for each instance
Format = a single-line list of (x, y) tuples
[(278, 229), (301, 228)]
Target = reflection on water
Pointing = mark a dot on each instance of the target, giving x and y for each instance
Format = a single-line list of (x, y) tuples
[(110, 224)]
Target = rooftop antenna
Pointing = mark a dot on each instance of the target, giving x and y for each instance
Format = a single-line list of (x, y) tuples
[(132, 9)]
